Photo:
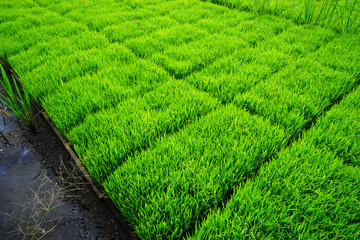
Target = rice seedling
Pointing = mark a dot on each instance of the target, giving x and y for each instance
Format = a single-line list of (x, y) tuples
[(180, 61), (239, 72), (222, 22), (305, 189), (341, 54), (342, 16), (17, 104), (193, 14), (58, 47), (89, 95), (172, 105), (25, 39), (312, 38), (97, 20), (299, 194), (163, 39), (256, 30), (137, 28), (298, 94), (172, 186), (136, 124), (338, 131)]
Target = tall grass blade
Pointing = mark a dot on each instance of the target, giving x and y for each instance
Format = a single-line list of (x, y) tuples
[(14, 99)]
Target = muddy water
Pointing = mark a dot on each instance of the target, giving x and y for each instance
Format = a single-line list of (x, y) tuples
[(26, 194), (42, 192)]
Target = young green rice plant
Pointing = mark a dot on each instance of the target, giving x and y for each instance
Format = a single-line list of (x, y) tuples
[(339, 130), (306, 193), (310, 187), (169, 188), (308, 10), (19, 105), (341, 54), (326, 11), (342, 16), (136, 124), (323, 14), (352, 15), (260, 6), (296, 95)]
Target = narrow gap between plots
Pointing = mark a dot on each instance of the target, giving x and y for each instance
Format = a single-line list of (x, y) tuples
[(287, 145), (92, 73), (197, 69), (157, 138)]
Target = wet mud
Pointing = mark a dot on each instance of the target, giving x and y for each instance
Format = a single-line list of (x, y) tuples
[(43, 192)]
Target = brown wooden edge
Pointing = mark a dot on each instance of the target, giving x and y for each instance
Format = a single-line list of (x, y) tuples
[(78, 163)]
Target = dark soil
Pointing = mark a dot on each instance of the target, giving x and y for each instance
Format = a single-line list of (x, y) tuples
[(36, 171)]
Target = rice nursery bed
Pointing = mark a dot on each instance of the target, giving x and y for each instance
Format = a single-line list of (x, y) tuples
[(234, 120)]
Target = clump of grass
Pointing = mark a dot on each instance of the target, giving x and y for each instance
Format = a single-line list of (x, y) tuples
[(342, 16), (19, 105), (306, 193), (307, 188), (135, 124), (292, 97), (351, 19), (339, 130), (174, 184)]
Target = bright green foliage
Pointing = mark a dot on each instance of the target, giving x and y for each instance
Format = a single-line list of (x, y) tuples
[(300, 41), (257, 29), (24, 39), (83, 96), (237, 73), (25, 19), (342, 54), (15, 103), (341, 15), (164, 7), (56, 48), (18, 29), (304, 191), (172, 104), (164, 38), (339, 130), (137, 28), (295, 96), (105, 139), (307, 193), (193, 13), (6, 5), (185, 59), (96, 19), (224, 21), (169, 188), (64, 68), (66, 6)]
